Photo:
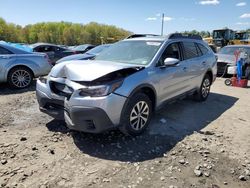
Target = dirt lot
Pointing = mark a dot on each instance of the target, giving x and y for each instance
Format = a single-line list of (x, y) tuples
[(189, 144)]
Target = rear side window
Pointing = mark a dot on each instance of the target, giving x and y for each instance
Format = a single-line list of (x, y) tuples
[(203, 49), (190, 50), (4, 51)]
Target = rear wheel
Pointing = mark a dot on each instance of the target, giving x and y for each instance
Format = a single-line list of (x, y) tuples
[(204, 91), (20, 77), (136, 115)]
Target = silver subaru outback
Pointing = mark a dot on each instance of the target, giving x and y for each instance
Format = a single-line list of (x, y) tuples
[(125, 84)]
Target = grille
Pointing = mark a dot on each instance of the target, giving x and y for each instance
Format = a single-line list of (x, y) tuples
[(61, 89)]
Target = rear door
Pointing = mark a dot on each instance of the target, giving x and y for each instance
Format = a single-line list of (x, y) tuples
[(194, 63), (61, 52)]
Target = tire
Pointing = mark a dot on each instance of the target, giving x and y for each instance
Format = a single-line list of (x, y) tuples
[(134, 121), (20, 78), (204, 90), (228, 82)]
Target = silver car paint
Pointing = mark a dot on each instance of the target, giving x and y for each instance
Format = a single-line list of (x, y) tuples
[(166, 82), (111, 104), (36, 62), (172, 81)]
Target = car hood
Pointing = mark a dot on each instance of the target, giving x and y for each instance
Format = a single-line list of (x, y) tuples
[(76, 57), (88, 70), (226, 58)]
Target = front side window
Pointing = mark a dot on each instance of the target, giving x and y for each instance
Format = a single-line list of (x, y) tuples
[(131, 52), (172, 51), (190, 50)]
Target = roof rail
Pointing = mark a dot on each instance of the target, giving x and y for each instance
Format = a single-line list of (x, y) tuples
[(182, 36), (141, 35)]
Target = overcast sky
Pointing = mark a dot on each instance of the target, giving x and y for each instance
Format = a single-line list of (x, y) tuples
[(138, 16)]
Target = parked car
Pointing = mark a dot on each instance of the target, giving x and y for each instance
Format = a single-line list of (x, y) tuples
[(53, 51), (226, 57), (126, 83), (87, 55), (83, 48), (19, 67)]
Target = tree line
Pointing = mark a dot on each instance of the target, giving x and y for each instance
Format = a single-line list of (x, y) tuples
[(61, 33), (203, 34), (68, 33)]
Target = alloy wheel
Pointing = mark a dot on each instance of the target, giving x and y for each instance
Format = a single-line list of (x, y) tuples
[(205, 88), (21, 78), (139, 115)]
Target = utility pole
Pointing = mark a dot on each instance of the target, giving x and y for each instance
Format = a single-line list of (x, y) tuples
[(162, 24)]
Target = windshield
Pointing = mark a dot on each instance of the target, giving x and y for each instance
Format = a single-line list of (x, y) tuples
[(131, 52), (220, 34), (97, 49)]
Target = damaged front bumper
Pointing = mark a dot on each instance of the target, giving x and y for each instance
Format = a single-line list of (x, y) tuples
[(86, 114)]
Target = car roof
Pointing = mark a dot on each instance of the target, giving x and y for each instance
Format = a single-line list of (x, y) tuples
[(162, 38), (42, 44), (151, 38)]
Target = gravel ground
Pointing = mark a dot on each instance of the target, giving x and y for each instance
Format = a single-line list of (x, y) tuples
[(188, 144)]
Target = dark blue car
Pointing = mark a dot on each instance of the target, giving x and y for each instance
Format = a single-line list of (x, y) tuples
[(88, 55)]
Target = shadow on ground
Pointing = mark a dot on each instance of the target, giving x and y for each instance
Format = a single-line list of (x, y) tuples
[(6, 90), (180, 120)]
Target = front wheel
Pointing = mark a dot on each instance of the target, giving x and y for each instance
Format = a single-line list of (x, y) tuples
[(204, 90), (136, 115)]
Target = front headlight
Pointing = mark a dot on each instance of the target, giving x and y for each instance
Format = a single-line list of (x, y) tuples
[(101, 90)]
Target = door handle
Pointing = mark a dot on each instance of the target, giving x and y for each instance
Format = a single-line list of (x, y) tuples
[(204, 63), (185, 68)]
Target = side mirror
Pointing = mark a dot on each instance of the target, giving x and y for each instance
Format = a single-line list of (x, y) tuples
[(169, 62)]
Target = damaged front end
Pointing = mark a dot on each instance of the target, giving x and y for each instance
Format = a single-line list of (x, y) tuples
[(98, 87), (88, 105), (106, 84)]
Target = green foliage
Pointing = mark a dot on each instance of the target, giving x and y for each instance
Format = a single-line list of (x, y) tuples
[(61, 33), (203, 34), (68, 33)]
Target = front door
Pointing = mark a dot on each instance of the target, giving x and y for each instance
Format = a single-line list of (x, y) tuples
[(172, 80)]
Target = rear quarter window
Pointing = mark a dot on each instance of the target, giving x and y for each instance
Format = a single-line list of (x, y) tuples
[(203, 49), (4, 51)]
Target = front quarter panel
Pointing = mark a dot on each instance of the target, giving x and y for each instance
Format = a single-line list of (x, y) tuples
[(136, 80)]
